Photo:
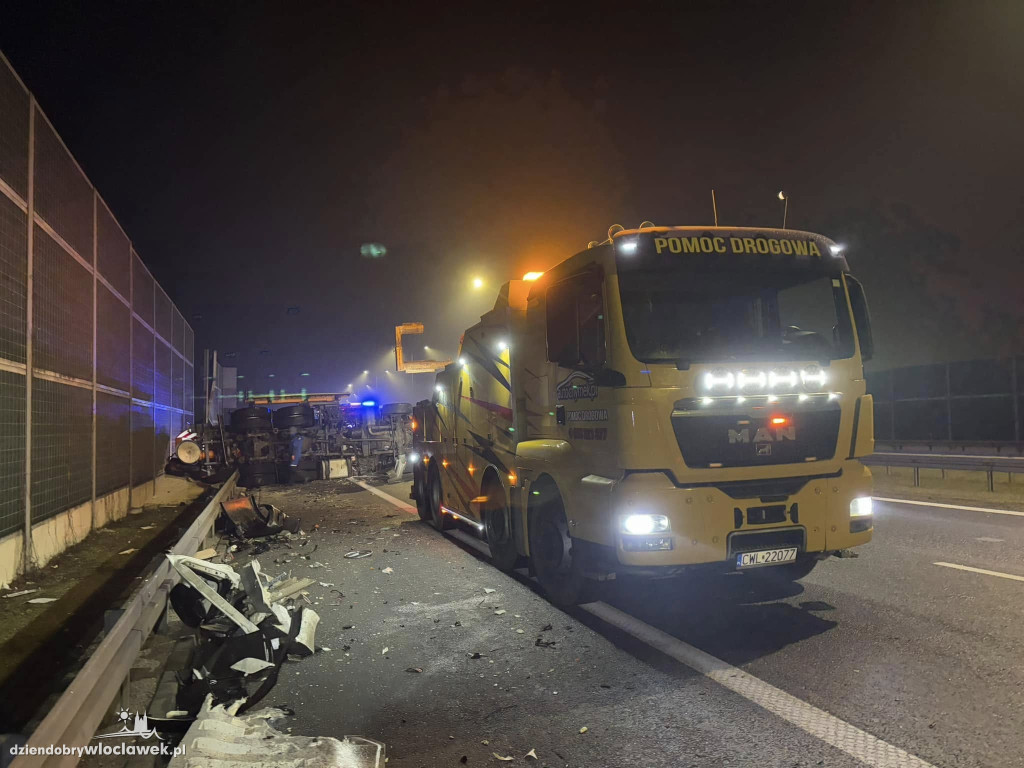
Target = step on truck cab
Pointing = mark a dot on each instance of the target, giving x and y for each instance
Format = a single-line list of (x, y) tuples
[(672, 398)]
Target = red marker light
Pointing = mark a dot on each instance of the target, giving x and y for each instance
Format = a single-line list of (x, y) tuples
[(779, 421)]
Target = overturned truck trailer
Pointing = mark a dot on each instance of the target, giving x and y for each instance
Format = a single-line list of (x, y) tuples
[(296, 441)]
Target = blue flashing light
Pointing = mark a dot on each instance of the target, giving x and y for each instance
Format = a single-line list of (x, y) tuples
[(369, 403)]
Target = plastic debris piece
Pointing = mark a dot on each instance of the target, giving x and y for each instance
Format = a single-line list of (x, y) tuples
[(500, 612), (485, 742), (389, 569), (358, 553), (43, 600), (505, 759), (128, 551), (487, 591), (22, 592), (519, 631), (147, 527), (251, 666), (417, 670), (584, 729), (386, 649), (205, 554), (326, 584), (532, 754)]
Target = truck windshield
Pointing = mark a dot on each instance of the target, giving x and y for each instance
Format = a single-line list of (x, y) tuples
[(697, 316)]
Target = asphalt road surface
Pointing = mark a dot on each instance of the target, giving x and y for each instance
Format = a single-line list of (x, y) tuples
[(890, 659)]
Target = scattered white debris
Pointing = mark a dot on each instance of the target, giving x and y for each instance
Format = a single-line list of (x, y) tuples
[(250, 666), (500, 612), (533, 754), (43, 600), (128, 551), (389, 569), (485, 742), (326, 584), (386, 649), (506, 759), (584, 729), (147, 527), (22, 592), (519, 631), (487, 591)]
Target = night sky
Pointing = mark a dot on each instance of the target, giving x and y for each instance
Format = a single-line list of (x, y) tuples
[(250, 149)]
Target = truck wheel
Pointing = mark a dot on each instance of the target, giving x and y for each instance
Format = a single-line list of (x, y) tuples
[(293, 416), (499, 536), (396, 409), (789, 572), (437, 518), (419, 484), (551, 552)]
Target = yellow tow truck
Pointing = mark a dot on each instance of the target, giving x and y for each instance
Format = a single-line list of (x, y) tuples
[(671, 398)]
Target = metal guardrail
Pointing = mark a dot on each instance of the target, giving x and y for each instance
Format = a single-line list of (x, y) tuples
[(950, 447), (948, 461), (80, 709)]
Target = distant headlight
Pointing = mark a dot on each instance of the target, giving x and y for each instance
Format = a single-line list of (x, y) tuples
[(641, 525), (861, 507), (413, 458)]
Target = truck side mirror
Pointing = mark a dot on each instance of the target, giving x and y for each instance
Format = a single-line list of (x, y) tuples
[(861, 318)]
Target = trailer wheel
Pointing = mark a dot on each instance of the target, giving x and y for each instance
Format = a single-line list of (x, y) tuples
[(396, 409), (499, 535), (437, 518), (293, 416), (551, 553)]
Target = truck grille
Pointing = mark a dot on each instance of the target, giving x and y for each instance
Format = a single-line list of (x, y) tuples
[(740, 440), (758, 540)]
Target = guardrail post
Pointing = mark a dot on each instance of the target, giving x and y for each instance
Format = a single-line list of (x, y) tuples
[(917, 476), (989, 473)]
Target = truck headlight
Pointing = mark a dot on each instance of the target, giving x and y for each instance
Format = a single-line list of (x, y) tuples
[(861, 507), (413, 458), (641, 525)]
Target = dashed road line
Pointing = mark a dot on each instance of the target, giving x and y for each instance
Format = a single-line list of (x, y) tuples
[(387, 497), (983, 571), (850, 739), (950, 506)]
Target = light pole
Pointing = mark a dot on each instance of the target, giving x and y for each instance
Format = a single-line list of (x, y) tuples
[(785, 208)]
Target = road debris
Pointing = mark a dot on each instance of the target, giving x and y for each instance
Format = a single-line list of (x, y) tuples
[(544, 643), (357, 554), (386, 649), (417, 670), (500, 612), (505, 759), (388, 570), (128, 551), (20, 593), (584, 729), (488, 590), (244, 632), (532, 754), (219, 736), (43, 600)]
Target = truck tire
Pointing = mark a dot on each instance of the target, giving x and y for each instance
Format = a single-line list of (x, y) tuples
[(789, 572), (434, 497), (551, 554), (252, 419), (293, 416), (257, 474), (499, 536), (419, 487), (396, 409)]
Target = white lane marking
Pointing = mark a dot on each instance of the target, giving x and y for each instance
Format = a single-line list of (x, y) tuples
[(1000, 574), (989, 539), (387, 497), (950, 506), (859, 744)]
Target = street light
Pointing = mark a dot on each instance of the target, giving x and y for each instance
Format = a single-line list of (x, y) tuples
[(478, 283), (785, 210)]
